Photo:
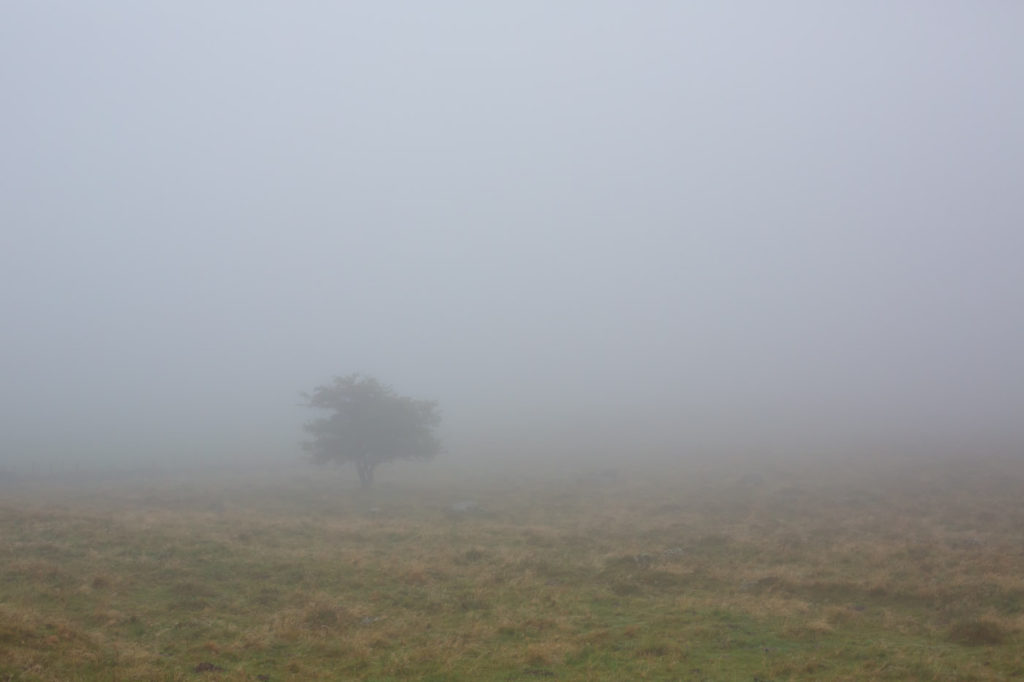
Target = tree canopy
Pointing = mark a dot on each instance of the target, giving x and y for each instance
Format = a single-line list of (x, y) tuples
[(369, 424)]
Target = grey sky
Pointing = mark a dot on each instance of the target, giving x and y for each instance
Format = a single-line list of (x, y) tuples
[(776, 223)]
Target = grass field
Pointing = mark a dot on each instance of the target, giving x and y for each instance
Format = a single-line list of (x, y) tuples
[(883, 571)]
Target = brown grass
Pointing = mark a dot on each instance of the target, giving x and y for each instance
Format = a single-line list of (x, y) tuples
[(848, 572)]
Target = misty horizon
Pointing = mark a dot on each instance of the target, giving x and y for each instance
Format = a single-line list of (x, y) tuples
[(655, 227)]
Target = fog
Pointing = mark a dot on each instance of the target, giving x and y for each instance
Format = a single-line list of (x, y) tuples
[(654, 229)]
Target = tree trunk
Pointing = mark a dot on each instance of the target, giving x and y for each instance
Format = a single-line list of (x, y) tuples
[(365, 469)]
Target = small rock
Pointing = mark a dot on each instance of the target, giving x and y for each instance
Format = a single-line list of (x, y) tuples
[(643, 560), (673, 553)]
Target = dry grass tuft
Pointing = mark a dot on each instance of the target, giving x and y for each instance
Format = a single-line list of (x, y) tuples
[(978, 632)]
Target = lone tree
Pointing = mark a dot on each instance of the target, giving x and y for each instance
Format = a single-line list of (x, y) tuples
[(369, 424)]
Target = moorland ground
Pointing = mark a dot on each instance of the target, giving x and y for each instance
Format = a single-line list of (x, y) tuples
[(880, 570)]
